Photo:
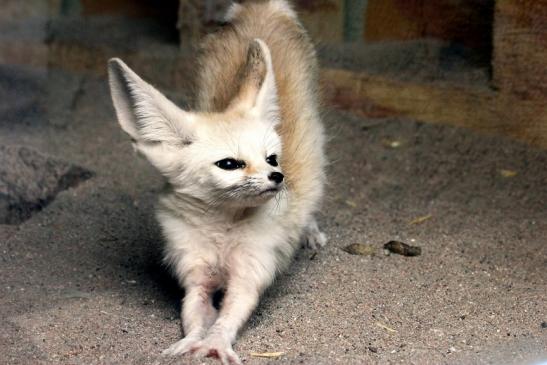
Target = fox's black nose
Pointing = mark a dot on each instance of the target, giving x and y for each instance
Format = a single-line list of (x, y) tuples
[(276, 177)]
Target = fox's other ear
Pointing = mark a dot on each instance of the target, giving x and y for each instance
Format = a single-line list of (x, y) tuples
[(143, 112), (258, 92)]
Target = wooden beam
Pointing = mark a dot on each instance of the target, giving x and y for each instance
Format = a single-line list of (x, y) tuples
[(465, 22), (482, 110)]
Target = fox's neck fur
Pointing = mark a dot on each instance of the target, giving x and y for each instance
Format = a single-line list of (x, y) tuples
[(197, 212)]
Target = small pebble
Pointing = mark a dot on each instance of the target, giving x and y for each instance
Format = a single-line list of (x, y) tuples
[(360, 249), (402, 248)]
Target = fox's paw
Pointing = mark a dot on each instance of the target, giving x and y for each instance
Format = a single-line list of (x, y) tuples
[(184, 346), (312, 237), (218, 347)]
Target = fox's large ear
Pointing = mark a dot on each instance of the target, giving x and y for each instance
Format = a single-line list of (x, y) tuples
[(258, 92), (143, 112)]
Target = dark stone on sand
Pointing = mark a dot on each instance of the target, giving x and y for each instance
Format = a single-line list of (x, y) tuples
[(30, 180)]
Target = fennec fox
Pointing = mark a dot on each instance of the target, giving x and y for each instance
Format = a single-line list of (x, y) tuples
[(244, 170)]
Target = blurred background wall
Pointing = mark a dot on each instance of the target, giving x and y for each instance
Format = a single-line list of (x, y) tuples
[(473, 63)]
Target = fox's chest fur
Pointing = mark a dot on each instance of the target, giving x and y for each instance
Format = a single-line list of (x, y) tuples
[(218, 240), (245, 167)]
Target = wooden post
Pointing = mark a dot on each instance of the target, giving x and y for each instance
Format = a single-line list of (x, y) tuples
[(520, 48), (354, 20)]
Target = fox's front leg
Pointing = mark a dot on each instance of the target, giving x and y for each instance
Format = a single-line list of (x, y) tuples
[(249, 276), (198, 313)]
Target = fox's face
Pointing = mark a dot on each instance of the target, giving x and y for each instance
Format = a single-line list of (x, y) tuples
[(233, 159), (229, 158)]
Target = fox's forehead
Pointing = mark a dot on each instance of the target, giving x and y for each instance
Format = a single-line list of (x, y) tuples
[(240, 138)]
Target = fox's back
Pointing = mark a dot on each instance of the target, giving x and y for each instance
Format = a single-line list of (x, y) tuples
[(295, 66)]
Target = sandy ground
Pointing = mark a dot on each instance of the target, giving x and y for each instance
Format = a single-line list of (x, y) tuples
[(82, 281)]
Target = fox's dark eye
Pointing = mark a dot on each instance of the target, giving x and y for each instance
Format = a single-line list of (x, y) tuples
[(272, 160), (230, 164)]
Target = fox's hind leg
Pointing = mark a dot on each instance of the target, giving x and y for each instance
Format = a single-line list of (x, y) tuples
[(312, 237)]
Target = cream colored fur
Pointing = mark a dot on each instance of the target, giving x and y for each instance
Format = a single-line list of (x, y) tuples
[(233, 230)]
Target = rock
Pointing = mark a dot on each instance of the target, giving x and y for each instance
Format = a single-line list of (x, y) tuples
[(30, 180)]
